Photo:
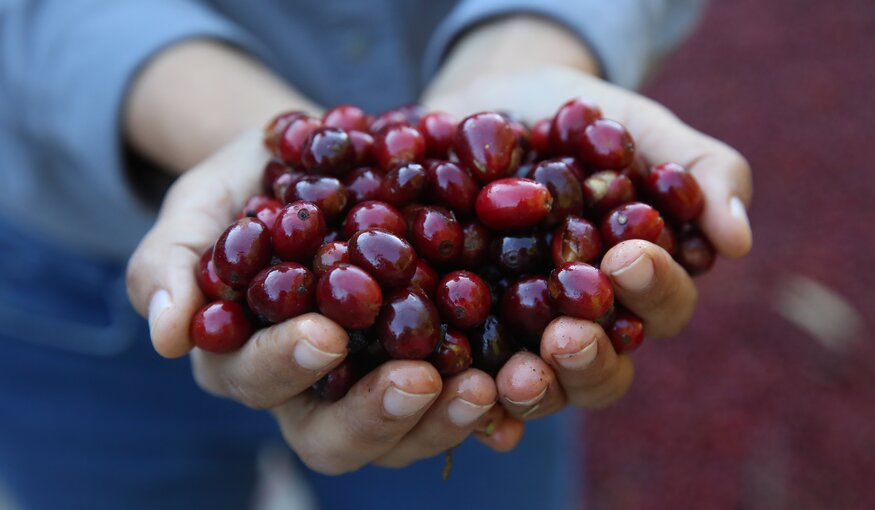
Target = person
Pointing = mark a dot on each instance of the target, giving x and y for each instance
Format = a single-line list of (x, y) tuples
[(104, 102)]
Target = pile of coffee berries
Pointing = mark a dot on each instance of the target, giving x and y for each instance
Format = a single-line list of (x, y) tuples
[(431, 238)]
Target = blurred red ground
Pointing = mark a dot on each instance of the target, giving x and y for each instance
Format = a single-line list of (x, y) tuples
[(748, 409)]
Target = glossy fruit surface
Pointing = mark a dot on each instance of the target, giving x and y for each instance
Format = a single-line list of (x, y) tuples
[(451, 186), (626, 332), (540, 137), (273, 130), (262, 207), (408, 326), (575, 240), (526, 309), (520, 254), (209, 282), (668, 240), (349, 296), (563, 186), (436, 235), (281, 184), (221, 326), (290, 145), (439, 131), (491, 345), (298, 232), (607, 190), (327, 193), (387, 257), (635, 220), (580, 290), (241, 252), (513, 203), (404, 184), (363, 148), (364, 184), (486, 145), (453, 353), (398, 144), (328, 255), (476, 239), (569, 123), (337, 383), (408, 114), (694, 251), (328, 151), (347, 117), (675, 192), (273, 169), (606, 144), (373, 214), (281, 292), (463, 299)]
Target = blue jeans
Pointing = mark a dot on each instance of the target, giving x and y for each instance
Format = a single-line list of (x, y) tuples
[(91, 417)]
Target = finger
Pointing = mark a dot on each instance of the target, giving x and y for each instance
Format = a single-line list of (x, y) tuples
[(338, 437), (528, 388), (588, 368), (464, 400), (276, 364), (651, 284), (502, 432), (160, 275)]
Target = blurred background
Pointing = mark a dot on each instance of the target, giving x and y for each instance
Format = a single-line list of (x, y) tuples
[(767, 401)]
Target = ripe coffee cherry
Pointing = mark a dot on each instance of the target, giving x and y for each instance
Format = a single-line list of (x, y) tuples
[(475, 245), (631, 221), (526, 310), (298, 231), (404, 184), (540, 138), (408, 326), (263, 208), (291, 143), (694, 251), (463, 299), (439, 131), (398, 144), (453, 354), (349, 296), (241, 252), (346, 117), (486, 145), (517, 255), (273, 169), (387, 257), (437, 235), (607, 190), (520, 131), (564, 187), (374, 214), (626, 332), (210, 283), (328, 151), (409, 114), (327, 193), (569, 123), (281, 292), (274, 129), (364, 184), (220, 326), (580, 290), (337, 383), (575, 240), (282, 184), (637, 171), (606, 144), (425, 278), (329, 255), (667, 240), (513, 203), (451, 187), (363, 148), (491, 345), (675, 192)]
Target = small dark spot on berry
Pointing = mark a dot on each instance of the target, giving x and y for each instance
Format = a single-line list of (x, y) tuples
[(303, 215)]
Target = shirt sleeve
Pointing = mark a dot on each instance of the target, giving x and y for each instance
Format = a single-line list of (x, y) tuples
[(628, 37), (65, 68)]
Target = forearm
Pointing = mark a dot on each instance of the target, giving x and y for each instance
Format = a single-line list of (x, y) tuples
[(195, 97)]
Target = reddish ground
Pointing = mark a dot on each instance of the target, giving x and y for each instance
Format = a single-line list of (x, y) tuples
[(747, 410)]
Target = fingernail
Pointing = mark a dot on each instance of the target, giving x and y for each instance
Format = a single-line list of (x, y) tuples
[(160, 301), (401, 404), (311, 357), (636, 276), (463, 413), (528, 403), (738, 211), (580, 359)]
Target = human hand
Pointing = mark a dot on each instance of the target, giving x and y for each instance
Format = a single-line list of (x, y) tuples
[(397, 414)]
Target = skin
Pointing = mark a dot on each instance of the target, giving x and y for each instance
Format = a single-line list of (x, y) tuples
[(521, 64)]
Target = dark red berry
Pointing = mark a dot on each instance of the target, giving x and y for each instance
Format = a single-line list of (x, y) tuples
[(408, 326), (210, 283), (580, 290), (398, 144), (298, 231), (364, 184), (281, 292), (362, 148), (491, 345), (439, 131), (273, 169), (263, 207), (526, 309), (694, 251), (409, 114), (631, 221), (513, 203), (626, 332), (564, 187), (540, 138), (475, 245), (290, 145), (346, 117), (575, 240), (274, 129), (675, 192), (328, 151), (282, 184), (569, 123), (387, 257), (241, 252), (667, 240), (637, 171), (329, 255), (374, 214), (451, 186), (486, 145), (453, 354), (607, 190), (521, 254), (404, 184), (463, 299), (425, 278), (337, 383), (349, 296), (220, 326), (327, 193), (437, 236), (606, 144)]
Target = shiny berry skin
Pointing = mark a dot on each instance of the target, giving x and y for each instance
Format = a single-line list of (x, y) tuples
[(439, 131), (436, 235), (290, 145), (328, 151), (274, 129), (635, 220), (346, 117), (451, 186), (364, 184), (425, 278), (404, 184), (475, 245), (667, 240), (349, 296), (241, 252), (398, 144), (221, 326), (373, 214), (282, 184), (362, 148), (453, 354), (408, 326), (520, 131), (486, 145), (327, 193), (564, 187), (409, 114), (463, 299), (298, 232), (540, 137), (575, 240), (569, 123), (513, 203), (580, 290), (491, 345), (675, 192), (262, 207), (211, 285), (329, 255), (694, 251), (273, 169), (626, 332), (519, 254), (607, 190), (281, 292), (606, 144), (337, 383), (637, 171), (526, 309), (387, 257)]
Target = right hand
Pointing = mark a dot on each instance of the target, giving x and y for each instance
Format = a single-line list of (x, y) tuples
[(397, 414)]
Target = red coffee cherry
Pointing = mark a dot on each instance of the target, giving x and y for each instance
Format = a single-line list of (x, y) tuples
[(439, 131), (298, 231), (486, 145), (463, 299), (564, 187), (408, 326), (491, 346), (327, 193), (346, 117), (329, 255), (398, 144), (374, 214), (281, 292), (451, 186), (526, 309), (220, 326), (290, 144), (626, 331), (387, 257), (453, 353), (364, 184), (569, 123), (675, 192), (437, 235), (209, 282), (513, 203), (575, 240), (694, 251), (580, 290), (328, 151), (349, 296), (606, 144), (607, 190), (274, 129), (631, 221), (425, 278), (241, 252)]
